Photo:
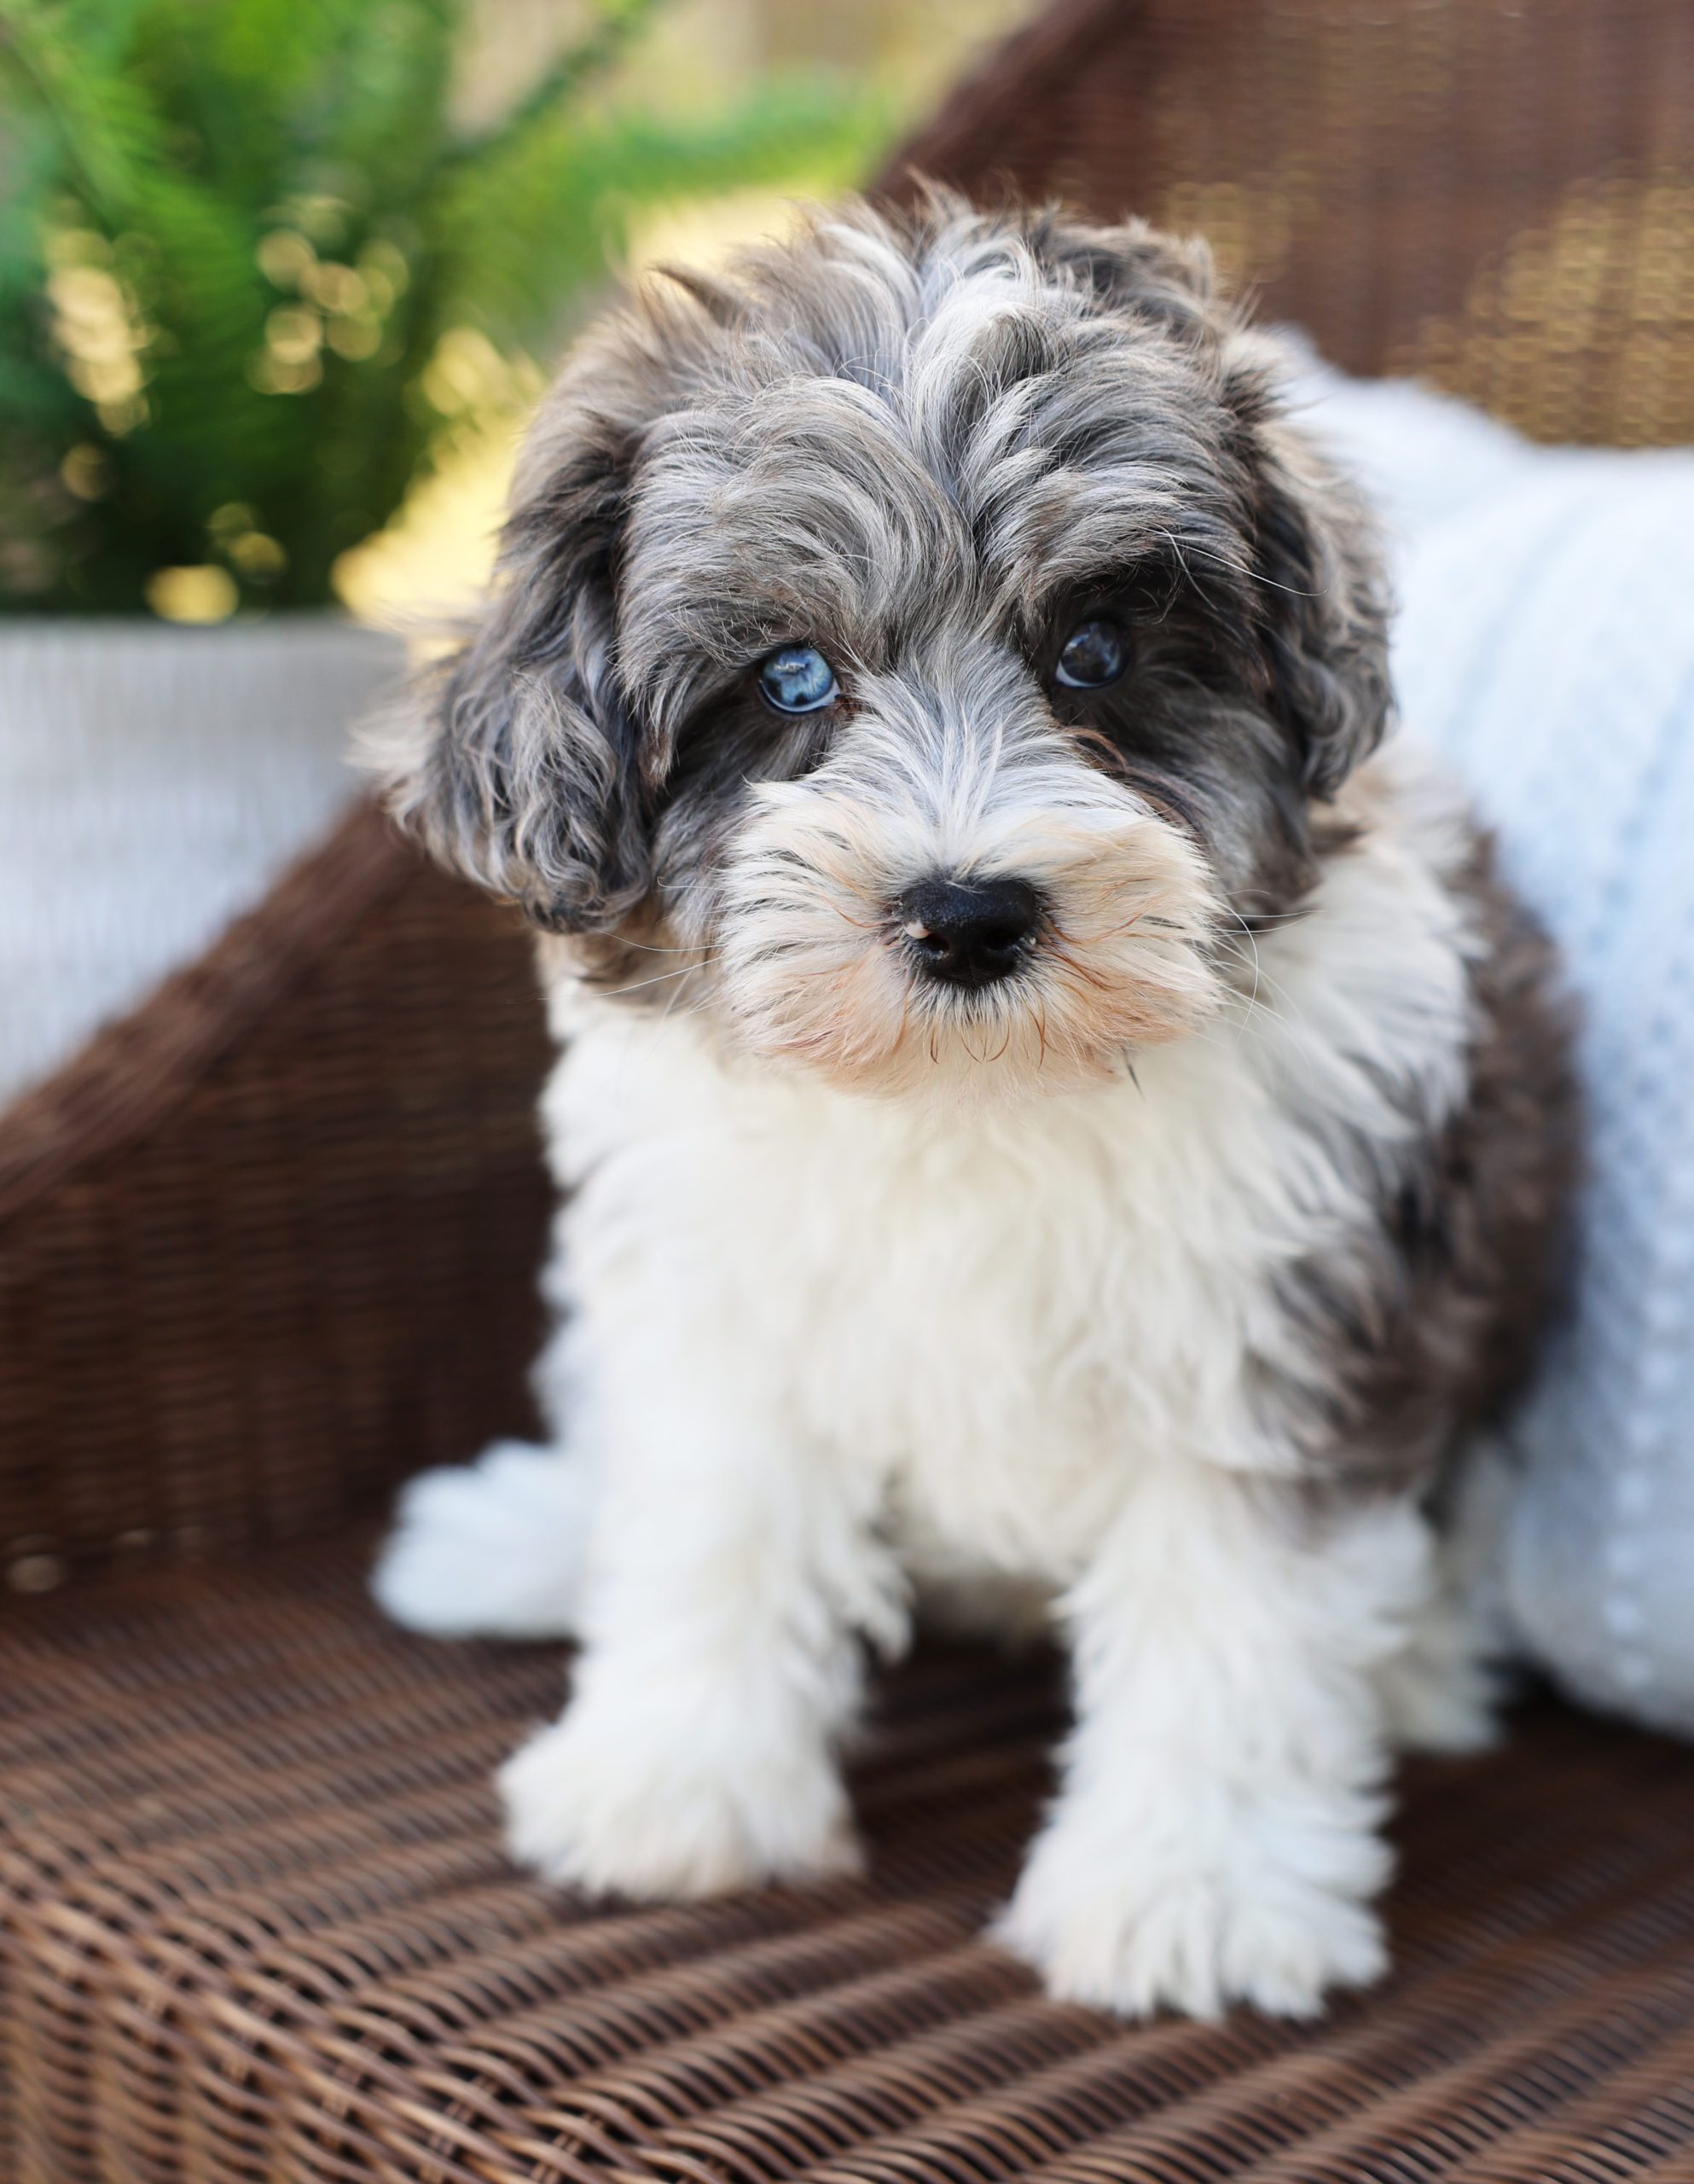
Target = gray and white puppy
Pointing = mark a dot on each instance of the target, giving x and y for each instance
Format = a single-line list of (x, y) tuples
[(1051, 1111)]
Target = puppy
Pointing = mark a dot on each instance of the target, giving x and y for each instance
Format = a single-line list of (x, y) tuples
[(1049, 1111)]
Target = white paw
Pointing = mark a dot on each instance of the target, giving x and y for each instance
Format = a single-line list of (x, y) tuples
[(1442, 1692), (619, 1809), (1137, 1929), (1439, 1705), (491, 1549)]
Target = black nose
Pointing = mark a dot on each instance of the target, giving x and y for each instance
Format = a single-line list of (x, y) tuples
[(969, 932)]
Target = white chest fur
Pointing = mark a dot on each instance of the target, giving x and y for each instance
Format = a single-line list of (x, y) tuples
[(1028, 1335), (1004, 1315)]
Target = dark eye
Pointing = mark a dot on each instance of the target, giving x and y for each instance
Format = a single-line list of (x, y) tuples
[(798, 679), (1095, 652)]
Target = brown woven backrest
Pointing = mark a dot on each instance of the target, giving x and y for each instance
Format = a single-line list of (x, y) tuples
[(1497, 194), (271, 1242)]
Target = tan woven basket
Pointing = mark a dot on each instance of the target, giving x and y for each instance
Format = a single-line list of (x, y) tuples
[(273, 1243)]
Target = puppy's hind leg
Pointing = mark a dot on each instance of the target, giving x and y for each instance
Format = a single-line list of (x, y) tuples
[(492, 1550), (1442, 1690), (1438, 1693)]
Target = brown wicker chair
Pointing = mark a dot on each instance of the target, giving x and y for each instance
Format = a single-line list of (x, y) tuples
[(272, 1243)]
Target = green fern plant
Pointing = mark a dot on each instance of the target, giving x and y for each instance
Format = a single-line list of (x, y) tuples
[(249, 271)]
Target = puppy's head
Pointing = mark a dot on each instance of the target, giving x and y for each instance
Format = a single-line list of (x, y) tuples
[(919, 650)]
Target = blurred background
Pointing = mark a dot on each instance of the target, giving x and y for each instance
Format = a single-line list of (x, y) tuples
[(278, 279)]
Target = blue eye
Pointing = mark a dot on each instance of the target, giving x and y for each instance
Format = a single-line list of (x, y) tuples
[(1095, 652), (798, 679)]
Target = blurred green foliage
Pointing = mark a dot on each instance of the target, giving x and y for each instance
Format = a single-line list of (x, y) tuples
[(250, 271)]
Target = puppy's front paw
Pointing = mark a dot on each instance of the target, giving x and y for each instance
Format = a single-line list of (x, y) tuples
[(1134, 1928), (618, 1809)]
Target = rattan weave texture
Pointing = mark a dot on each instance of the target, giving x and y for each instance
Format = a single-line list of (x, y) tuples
[(272, 1240), (1498, 194), (258, 1927)]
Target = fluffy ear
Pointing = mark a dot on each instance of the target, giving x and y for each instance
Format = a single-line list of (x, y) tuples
[(1321, 595), (519, 766), (1323, 598)]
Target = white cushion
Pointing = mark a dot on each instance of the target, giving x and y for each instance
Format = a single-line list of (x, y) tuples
[(1545, 641), (154, 782)]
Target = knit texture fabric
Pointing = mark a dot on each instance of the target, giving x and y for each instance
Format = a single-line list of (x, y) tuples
[(1546, 642), (154, 782)]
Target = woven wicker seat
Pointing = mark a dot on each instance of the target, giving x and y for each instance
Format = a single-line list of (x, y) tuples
[(272, 1243), (262, 1929)]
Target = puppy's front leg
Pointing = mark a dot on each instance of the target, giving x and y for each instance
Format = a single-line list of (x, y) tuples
[(729, 1570), (1216, 1835)]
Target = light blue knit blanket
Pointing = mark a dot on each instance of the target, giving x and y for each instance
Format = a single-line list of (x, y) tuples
[(1546, 642)]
